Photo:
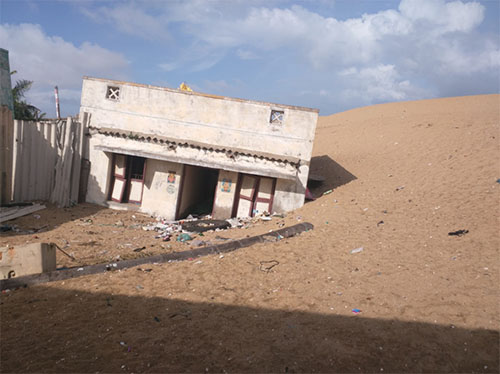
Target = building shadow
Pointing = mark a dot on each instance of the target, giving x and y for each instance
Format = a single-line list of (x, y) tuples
[(47, 219), (47, 329), (334, 174)]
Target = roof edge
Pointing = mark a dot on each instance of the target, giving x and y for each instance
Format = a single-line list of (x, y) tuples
[(210, 96)]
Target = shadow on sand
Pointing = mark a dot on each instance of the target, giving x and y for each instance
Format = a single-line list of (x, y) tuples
[(49, 218), (333, 173), (46, 329)]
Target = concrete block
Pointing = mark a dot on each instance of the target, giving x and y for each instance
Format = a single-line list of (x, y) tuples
[(28, 259)]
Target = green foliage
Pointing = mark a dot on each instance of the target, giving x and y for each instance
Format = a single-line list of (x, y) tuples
[(23, 110)]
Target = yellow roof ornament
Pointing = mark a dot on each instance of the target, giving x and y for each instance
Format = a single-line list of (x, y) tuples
[(185, 87)]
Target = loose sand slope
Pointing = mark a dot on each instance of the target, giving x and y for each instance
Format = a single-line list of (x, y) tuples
[(404, 175)]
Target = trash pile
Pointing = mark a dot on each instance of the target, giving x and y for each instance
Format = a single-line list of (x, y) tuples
[(165, 229), (185, 228)]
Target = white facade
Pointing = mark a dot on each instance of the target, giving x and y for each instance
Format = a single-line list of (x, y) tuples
[(242, 156)]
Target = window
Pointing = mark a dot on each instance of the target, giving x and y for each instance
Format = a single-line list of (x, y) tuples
[(113, 93), (277, 117)]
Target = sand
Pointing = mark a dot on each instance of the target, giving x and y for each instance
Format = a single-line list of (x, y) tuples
[(403, 176)]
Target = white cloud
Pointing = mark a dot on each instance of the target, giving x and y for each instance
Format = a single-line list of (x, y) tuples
[(168, 66), (376, 84), (50, 61), (393, 54), (130, 19), (445, 17), (245, 54)]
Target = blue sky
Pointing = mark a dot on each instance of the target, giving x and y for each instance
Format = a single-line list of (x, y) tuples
[(331, 55)]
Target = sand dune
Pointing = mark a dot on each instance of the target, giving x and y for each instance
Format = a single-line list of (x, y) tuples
[(403, 176)]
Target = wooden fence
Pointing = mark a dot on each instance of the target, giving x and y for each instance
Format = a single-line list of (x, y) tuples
[(47, 161), (5, 154)]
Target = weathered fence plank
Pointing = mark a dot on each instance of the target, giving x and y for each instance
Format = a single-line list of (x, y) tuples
[(47, 161), (6, 136)]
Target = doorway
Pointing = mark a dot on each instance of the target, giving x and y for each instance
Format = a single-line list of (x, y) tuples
[(128, 179), (197, 193)]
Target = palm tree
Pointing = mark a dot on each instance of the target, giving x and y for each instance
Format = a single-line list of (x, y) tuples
[(23, 110)]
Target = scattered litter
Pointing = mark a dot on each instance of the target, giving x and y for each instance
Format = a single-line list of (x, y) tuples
[(498, 180), (6, 214), (184, 313), (205, 225), (356, 311), (139, 287), (357, 250), (199, 243), (365, 209), (4, 228), (265, 218), (309, 195), (139, 249), (79, 269), (111, 266), (145, 270), (266, 266), (327, 192), (157, 319), (400, 188), (123, 344), (198, 262), (270, 238), (458, 232), (184, 238), (66, 253), (380, 223), (37, 216), (221, 256), (119, 223)]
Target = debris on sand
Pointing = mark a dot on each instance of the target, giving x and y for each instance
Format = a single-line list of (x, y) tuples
[(205, 225), (266, 266), (458, 233), (184, 237), (12, 212), (357, 250)]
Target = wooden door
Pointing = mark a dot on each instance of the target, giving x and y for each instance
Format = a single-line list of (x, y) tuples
[(247, 191), (254, 195), (137, 172), (264, 196), (119, 173)]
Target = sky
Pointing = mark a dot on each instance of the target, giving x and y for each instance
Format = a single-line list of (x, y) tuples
[(332, 55)]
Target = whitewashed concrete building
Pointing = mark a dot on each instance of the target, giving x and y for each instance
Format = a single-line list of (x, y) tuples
[(171, 152)]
